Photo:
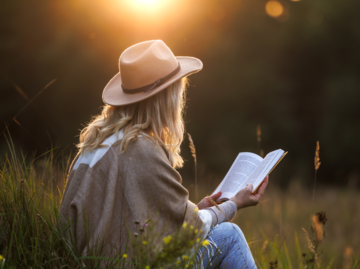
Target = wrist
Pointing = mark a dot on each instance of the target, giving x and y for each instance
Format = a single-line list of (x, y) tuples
[(233, 205), (237, 202)]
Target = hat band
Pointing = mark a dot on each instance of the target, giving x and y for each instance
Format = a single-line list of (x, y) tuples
[(151, 86)]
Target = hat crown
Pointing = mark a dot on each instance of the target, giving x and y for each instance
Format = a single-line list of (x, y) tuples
[(146, 62)]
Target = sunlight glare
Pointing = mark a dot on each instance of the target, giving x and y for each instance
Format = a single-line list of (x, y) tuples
[(146, 3)]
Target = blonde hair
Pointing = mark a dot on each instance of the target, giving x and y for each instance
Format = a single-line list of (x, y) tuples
[(160, 116)]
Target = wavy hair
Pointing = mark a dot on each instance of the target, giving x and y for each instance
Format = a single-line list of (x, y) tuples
[(160, 117)]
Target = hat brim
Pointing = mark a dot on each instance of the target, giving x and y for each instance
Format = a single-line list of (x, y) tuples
[(115, 96)]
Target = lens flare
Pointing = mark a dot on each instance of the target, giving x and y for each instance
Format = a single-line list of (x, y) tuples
[(274, 8)]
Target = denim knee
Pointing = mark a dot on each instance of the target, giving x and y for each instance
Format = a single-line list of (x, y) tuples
[(227, 249), (232, 230)]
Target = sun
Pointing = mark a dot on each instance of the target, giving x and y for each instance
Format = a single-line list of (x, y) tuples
[(146, 12), (146, 3)]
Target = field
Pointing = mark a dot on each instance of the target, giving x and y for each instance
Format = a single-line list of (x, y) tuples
[(274, 227), (31, 193)]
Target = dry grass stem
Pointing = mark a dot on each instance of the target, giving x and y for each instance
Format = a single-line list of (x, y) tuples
[(311, 247), (193, 153), (316, 164), (317, 157), (192, 147), (310, 244), (258, 134), (318, 229), (264, 245), (216, 205)]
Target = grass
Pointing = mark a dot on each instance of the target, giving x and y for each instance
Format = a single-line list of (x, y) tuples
[(274, 227), (31, 192), (31, 237)]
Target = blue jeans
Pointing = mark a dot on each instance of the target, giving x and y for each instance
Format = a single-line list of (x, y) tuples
[(227, 249)]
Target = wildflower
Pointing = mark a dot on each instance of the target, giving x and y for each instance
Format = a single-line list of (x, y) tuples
[(177, 262), (186, 265), (147, 267), (144, 224), (205, 243), (167, 239), (191, 227), (184, 224), (185, 257), (144, 242), (1, 258), (196, 209), (125, 256), (197, 240), (196, 231)]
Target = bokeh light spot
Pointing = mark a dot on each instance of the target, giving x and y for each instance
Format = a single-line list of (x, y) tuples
[(274, 8)]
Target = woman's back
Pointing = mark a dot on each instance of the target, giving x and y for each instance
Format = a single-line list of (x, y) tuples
[(108, 192)]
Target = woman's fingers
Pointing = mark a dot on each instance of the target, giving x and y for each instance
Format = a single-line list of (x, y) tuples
[(245, 197), (212, 199), (216, 196), (204, 203), (249, 187), (263, 186)]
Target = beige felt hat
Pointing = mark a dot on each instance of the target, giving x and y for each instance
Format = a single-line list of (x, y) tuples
[(147, 68)]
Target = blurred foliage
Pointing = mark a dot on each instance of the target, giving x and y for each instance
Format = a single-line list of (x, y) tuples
[(296, 76)]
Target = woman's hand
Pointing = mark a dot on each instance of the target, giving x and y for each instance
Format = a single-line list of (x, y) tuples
[(245, 198), (204, 203)]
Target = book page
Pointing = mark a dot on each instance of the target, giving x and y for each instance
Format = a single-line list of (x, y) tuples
[(243, 166), (264, 168)]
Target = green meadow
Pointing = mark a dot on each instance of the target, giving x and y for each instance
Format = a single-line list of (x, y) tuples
[(283, 231), (276, 74)]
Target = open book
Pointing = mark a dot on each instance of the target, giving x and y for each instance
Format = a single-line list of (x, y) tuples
[(248, 168)]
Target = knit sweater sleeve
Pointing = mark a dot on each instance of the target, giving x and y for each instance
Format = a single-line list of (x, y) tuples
[(224, 212)]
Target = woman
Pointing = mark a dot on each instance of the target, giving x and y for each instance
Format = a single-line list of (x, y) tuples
[(125, 172)]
